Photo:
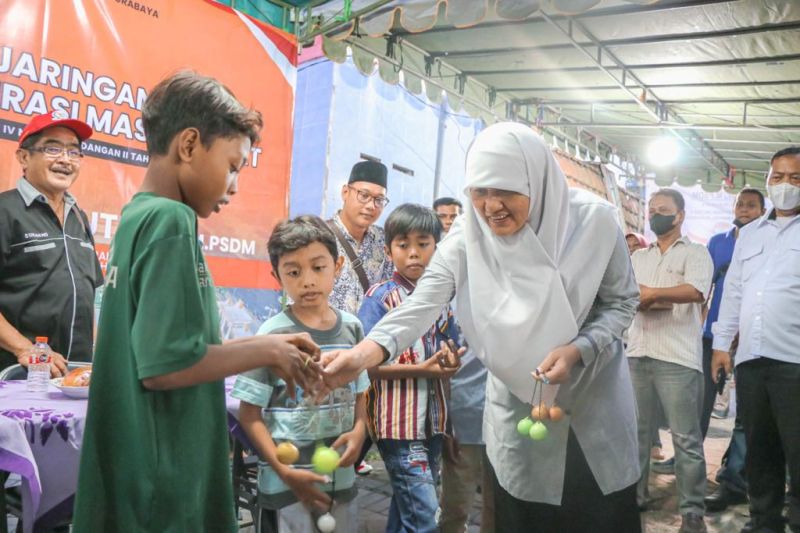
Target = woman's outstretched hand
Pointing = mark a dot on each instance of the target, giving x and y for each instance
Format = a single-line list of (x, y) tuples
[(340, 367)]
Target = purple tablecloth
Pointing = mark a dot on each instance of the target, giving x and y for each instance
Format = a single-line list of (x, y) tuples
[(40, 439)]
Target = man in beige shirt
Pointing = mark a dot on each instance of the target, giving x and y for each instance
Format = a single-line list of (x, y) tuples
[(665, 349)]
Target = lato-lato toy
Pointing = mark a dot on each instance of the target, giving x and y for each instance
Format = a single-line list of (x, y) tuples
[(533, 426)]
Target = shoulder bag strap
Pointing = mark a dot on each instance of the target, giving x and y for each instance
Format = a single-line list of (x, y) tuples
[(355, 261)]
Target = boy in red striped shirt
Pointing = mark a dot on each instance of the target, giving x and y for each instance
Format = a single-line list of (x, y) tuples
[(406, 405)]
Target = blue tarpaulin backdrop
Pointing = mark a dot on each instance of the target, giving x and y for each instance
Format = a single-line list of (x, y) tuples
[(341, 114)]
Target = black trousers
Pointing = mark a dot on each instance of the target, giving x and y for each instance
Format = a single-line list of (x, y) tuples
[(770, 412), (584, 508)]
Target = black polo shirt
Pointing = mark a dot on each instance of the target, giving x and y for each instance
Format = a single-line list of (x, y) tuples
[(48, 275)]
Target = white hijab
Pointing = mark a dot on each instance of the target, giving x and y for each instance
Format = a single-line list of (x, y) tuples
[(523, 295)]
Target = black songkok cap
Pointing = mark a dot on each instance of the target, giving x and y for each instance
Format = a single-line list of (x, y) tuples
[(369, 171)]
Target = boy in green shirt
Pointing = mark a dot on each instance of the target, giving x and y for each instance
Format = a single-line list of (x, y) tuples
[(155, 449), (306, 261)]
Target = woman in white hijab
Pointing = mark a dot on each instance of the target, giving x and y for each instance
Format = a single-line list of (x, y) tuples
[(542, 280)]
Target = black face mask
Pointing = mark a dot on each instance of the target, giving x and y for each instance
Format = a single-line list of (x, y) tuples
[(661, 224), (739, 224)]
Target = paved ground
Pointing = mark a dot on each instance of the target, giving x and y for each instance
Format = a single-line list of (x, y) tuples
[(664, 518), (375, 493), (374, 496)]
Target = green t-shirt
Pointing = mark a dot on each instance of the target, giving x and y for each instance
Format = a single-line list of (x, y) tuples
[(155, 460)]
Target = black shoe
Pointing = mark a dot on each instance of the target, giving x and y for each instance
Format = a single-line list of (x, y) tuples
[(720, 499), (692, 523), (752, 527), (664, 467)]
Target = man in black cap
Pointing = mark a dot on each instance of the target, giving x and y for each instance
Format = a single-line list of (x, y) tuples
[(361, 242), (48, 266)]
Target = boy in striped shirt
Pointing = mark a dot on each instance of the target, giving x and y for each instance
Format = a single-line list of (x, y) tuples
[(406, 407)]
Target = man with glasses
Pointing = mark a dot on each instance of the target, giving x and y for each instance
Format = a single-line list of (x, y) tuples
[(48, 266), (360, 241)]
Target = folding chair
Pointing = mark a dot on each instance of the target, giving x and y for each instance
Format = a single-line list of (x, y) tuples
[(245, 490)]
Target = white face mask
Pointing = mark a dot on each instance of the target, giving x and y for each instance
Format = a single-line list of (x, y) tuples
[(784, 196)]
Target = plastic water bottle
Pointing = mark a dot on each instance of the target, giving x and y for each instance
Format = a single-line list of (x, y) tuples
[(39, 366)]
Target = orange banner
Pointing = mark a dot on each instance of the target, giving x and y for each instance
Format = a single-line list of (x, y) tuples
[(96, 60)]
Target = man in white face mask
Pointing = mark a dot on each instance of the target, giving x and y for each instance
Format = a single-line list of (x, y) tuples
[(760, 302)]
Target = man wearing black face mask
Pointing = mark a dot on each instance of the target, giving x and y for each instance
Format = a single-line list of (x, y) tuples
[(732, 486), (665, 347)]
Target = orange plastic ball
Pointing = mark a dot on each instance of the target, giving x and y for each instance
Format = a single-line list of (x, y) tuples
[(287, 453), (540, 412), (556, 413)]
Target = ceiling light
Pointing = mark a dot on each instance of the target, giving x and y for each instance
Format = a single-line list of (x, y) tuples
[(663, 151)]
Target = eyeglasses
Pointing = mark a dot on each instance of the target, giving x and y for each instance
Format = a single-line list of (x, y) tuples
[(52, 151), (365, 197)]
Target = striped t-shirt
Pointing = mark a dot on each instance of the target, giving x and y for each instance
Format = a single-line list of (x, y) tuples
[(304, 423), (673, 335), (411, 408)]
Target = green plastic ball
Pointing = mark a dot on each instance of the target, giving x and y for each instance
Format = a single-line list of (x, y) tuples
[(538, 431), (325, 460), (524, 426)]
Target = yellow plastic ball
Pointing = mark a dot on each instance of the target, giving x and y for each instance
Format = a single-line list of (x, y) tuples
[(325, 460)]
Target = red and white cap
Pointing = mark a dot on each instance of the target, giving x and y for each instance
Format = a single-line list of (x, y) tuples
[(56, 118)]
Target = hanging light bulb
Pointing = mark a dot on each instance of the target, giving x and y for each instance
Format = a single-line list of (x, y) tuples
[(663, 151)]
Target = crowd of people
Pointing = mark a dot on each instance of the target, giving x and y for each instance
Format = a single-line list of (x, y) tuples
[(429, 337)]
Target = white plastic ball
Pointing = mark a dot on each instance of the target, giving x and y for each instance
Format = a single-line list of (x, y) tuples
[(326, 523)]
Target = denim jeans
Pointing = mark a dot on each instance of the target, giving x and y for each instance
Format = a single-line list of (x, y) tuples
[(679, 390), (413, 467), (709, 387), (731, 473)]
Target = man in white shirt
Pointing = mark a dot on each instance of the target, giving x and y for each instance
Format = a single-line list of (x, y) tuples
[(761, 302), (665, 350)]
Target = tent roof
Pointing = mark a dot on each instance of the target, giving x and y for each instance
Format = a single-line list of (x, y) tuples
[(722, 76)]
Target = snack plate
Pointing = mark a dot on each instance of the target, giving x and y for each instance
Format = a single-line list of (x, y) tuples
[(72, 392)]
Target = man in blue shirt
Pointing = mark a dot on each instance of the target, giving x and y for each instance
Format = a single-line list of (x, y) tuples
[(732, 487), (760, 303)]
